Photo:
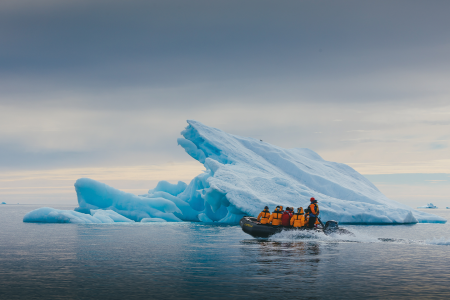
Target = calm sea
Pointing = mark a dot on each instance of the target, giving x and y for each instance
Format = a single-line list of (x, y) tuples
[(193, 261)]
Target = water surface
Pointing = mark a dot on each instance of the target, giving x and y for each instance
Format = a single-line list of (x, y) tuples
[(193, 261)]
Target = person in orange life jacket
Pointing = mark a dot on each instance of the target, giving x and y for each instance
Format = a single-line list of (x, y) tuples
[(313, 212), (307, 211), (275, 217), (286, 217), (298, 219), (264, 216)]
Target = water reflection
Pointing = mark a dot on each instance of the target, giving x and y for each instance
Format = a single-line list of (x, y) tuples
[(292, 260), (187, 260)]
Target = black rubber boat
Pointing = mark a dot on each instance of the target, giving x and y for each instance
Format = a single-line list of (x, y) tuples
[(251, 226)]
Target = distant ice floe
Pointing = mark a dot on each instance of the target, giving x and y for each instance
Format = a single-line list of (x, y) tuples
[(429, 205), (242, 176)]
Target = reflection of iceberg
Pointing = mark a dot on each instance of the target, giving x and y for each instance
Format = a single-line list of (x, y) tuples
[(429, 205), (242, 176)]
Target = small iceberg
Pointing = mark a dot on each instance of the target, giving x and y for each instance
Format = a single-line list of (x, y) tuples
[(3, 202), (429, 205), (96, 216)]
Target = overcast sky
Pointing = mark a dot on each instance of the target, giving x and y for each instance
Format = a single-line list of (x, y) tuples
[(110, 84)]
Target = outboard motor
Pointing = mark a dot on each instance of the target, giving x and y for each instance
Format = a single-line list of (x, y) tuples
[(331, 226)]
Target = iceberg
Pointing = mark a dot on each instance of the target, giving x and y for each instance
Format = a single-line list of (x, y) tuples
[(429, 205), (51, 215), (242, 176), (3, 202)]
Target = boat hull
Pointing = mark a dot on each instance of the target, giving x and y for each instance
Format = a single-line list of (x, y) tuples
[(251, 226)]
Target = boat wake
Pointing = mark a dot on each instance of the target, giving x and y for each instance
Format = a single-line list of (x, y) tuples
[(439, 241), (358, 237)]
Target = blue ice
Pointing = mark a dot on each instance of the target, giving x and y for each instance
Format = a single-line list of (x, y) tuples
[(242, 176)]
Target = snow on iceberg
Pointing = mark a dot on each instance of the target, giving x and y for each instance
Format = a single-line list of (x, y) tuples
[(242, 176)]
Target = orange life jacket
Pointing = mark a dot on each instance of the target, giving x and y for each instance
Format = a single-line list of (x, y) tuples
[(275, 218), (298, 220), (264, 216), (314, 209)]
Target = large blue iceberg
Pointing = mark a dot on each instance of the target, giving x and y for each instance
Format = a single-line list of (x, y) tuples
[(242, 176)]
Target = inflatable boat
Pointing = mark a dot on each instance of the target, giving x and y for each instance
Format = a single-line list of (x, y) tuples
[(251, 226)]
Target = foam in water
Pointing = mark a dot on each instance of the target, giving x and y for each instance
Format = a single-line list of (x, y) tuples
[(356, 237), (438, 241), (360, 235)]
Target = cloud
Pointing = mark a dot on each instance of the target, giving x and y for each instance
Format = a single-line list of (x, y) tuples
[(97, 45), (438, 145), (101, 83)]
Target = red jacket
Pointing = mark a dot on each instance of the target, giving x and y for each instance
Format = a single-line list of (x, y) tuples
[(285, 219)]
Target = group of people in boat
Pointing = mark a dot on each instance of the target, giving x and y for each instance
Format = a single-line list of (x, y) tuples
[(302, 218)]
